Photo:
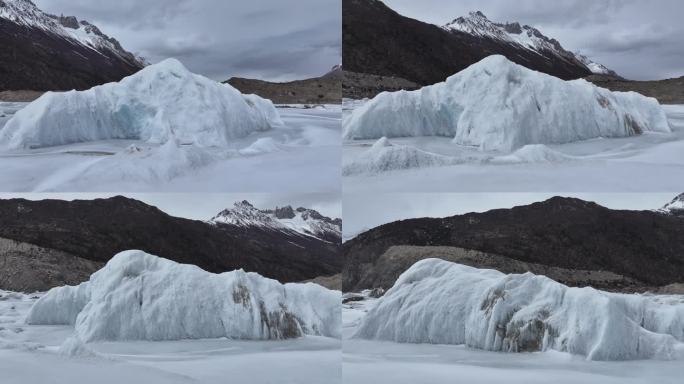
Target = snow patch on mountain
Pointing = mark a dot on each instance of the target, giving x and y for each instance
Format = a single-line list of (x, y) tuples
[(440, 302), (496, 104), (301, 220), (159, 103), (477, 24), (138, 296), (674, 207), (595, 67)]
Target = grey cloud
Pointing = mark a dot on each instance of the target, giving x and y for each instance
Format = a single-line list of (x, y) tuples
[(268, 39)]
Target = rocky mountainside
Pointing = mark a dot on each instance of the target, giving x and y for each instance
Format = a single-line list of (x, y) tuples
[(43, 52), (300, 221), (323, 89), (594, 67), (674, 207), (95, 230), (639, 248), (377, 40)]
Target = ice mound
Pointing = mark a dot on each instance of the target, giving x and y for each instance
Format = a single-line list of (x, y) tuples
[(384, 156), (496, 104), (157, 103), (436, 301), (137, 296), (533, 153)]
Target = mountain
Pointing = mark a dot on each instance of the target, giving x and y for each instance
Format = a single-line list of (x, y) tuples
[(300, 221), (635, 250), (594, 67), (322, 89), (378, 40), (39, 240), (674, 207), (44, 52)]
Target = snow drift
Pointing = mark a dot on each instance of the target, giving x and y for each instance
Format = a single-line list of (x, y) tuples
[(436, 301), (159, 102), (496, 104), (138, 296), (384, 156)]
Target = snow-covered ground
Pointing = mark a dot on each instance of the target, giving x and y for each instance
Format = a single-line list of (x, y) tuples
[(652, 161), (47, 353)]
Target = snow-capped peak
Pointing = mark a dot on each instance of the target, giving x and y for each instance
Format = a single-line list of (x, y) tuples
[(301, 220), (593, 66), (674, 207), (27, 14), (525, 36)]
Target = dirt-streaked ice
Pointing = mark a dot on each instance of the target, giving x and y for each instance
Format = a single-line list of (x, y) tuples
[(137, 296), (440, 302)]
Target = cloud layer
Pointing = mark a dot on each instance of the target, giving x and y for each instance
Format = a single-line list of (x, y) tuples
[(268, 39)]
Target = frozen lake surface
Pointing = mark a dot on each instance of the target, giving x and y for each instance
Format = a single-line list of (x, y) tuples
[(645, 163), (301, 156), (30, 354)]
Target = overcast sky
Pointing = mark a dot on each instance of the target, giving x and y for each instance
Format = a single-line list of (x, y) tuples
[(363, 212), (203, 206), (638, 39), (268, 39)]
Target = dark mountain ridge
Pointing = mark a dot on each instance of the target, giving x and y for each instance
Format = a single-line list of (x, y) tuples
[(95, 230), (644, 246)]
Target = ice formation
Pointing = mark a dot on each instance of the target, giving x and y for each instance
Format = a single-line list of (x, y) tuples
[(496, 104), (440, 302), (533, 153), (384, 156), (158, 103), (138, 296)]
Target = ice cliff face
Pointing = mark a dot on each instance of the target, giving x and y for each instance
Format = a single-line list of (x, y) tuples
[(137, 296), (436, 301), (496, 104), (161, 103), (301, 220)]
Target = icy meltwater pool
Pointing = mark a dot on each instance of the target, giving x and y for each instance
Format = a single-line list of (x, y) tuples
[(649, 162), (307, 149), (30, 354), (378, 362)]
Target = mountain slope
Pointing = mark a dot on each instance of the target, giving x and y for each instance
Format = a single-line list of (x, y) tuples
[(96, 230), (323, 89), (45, 52), (301, 221), (377, 40), (645, 246)]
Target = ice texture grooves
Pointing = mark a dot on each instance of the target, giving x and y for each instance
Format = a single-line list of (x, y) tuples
[(496, 104), (440, 302), (158, 103), (138, 296)]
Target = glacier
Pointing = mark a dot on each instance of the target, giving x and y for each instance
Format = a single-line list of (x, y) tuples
[(138, 296), (440, 302), (496, 104), (161, 102)]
